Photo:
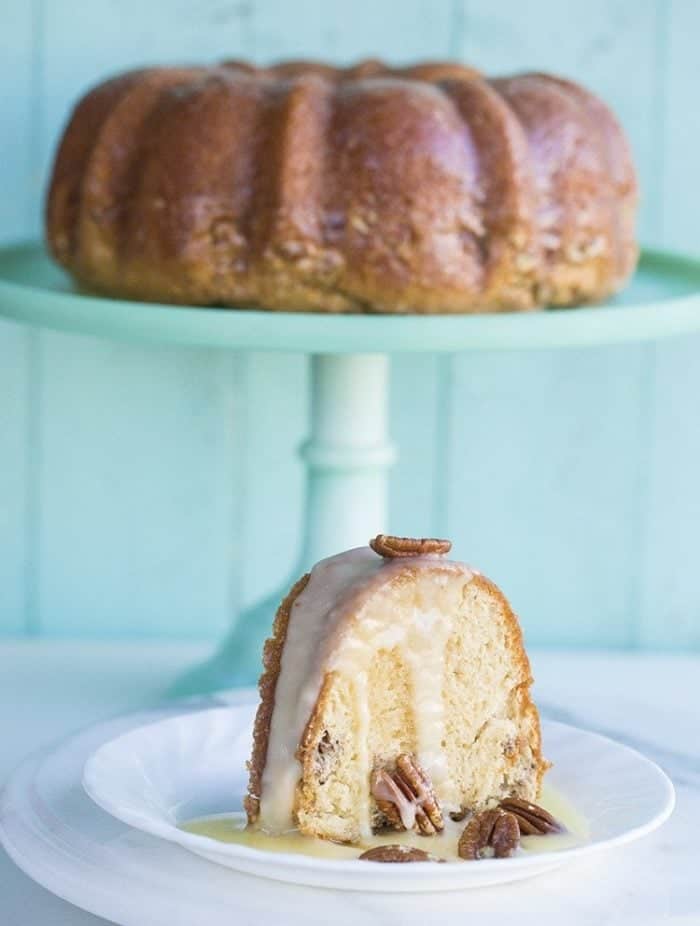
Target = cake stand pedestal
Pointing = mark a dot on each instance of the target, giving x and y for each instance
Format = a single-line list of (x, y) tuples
[(348, 453), (347, 458)]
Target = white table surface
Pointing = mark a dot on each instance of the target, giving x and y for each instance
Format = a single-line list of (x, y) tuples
[(652, 702)]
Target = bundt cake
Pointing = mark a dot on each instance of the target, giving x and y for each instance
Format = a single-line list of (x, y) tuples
[(395, 690), (304, 187)]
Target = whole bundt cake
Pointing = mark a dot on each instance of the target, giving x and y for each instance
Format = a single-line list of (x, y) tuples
[(395, 690), (304, 187)]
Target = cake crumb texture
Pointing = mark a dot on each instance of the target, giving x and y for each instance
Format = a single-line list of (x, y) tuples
[(459, 629)]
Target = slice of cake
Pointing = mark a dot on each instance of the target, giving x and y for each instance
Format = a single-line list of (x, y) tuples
[(395, 690)]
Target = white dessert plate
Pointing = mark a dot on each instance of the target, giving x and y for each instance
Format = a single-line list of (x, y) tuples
[(163, 774)]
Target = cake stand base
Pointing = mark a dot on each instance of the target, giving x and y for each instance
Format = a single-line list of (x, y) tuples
[(347, 460)]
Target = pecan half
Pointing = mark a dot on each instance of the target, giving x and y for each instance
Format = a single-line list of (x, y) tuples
[(392, 547), (493, 832), (406, 797), (532, 819), (396, 853), (393, 799)]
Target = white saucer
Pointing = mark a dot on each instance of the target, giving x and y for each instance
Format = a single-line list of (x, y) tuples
[(193, 765), (62, 840)]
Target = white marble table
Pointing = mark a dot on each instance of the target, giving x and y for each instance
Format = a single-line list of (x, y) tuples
[(49, 689)]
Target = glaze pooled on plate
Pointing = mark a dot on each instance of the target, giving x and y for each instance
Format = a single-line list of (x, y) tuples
[(232, 828)]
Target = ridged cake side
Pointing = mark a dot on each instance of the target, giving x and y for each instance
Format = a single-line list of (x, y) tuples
[(368, 189), (272, 660)]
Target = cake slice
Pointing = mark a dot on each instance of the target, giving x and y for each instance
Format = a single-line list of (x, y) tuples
[(395, 690)]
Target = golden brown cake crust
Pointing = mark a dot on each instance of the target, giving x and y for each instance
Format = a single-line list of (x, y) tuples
[(272, 659), (517, 645), (304, 187)]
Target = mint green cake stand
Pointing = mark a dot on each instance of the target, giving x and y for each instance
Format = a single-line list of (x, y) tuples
[(348, 454)]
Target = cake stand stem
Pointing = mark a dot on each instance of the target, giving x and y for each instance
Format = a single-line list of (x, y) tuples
[(347, 458)]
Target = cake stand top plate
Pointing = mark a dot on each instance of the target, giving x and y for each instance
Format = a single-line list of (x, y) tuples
[(662, 300)]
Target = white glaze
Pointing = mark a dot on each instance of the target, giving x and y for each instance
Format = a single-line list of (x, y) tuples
[(338, 588), (313, 615)]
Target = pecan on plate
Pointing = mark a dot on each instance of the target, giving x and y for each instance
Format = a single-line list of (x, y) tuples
[(396, 853), (493, 832), (406, 797), (393, 547), (532, 819)]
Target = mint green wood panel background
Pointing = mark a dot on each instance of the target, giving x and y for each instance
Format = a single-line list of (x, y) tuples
[(138, 487), (669, 596), (16, 122), (562, 506)]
